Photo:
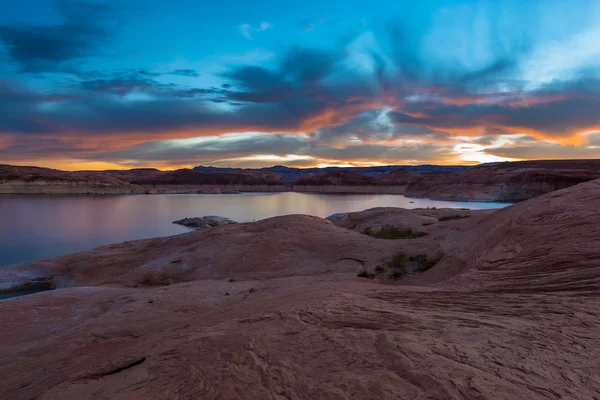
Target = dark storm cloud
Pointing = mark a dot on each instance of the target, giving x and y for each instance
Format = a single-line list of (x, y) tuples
[(546, 151), (554, 119), (20, 110), (123, 82), (185, 72), (283, 99), (30, 147), (121, 86), (44, 48)]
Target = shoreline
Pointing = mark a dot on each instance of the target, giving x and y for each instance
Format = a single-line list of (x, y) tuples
[(239, 189)]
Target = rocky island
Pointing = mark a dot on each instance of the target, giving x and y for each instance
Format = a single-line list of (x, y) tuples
[(472, 304)]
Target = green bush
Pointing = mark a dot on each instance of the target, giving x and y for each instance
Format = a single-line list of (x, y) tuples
[(426, 265), (365, 274), (151, 279), (380, 268), (453, 217), (391, 232), (398, 273), (398, 265), (398, 260), (418, 258)]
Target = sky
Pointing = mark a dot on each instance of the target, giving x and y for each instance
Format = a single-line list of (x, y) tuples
[(235, 83)]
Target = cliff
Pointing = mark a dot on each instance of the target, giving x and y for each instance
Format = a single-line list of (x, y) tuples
[(191, 177), (393, 182), (34, 180), (511, 182)]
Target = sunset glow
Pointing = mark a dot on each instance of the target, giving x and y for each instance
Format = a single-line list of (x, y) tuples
[(94, 84)]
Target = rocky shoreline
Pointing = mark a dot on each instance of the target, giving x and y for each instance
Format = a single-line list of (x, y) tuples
[(384, 303)]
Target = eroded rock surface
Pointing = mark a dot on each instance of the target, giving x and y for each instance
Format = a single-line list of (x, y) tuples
[(274, 309)]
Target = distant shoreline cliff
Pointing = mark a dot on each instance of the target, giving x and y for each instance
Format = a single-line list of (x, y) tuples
[(515, 181)]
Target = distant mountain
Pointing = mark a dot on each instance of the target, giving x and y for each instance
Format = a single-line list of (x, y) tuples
[(193, 177), (290, 174), (399, 177), (507, 181)]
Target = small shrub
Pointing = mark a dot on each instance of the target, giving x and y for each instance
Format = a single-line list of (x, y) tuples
[(150, 279), (391, 232), (398, 265), (418, 258), (398, 273), (426, 265), (380, 268), (145, 280), (368, 231), (363, 273), (427, 223), (398, 260), (453, 217)]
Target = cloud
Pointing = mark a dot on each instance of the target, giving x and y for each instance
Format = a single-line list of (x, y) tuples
[(215, 147), (557, 118), (371, 94), (374, 126), (546, 151), (43, 48), (261, 149), (309, 25), (126, 81), (185, 72), (247, 30), (311, 90)]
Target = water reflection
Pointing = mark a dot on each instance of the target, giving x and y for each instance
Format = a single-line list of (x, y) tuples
[(36, 227)]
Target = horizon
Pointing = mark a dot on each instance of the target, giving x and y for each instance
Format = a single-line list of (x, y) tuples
[(266, 167), (304, 168), (94, 85)]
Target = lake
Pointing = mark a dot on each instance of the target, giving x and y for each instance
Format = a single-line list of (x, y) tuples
[(37, 227)]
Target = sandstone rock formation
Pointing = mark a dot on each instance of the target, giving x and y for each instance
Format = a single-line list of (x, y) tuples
[(349, 182), (511, 182), (514, 181), (426, 219), (191, 177), (274, 309), (36, 180), (205, 222), (345, 178)]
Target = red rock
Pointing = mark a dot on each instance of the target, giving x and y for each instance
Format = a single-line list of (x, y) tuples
[(509, 311), (514, 181)]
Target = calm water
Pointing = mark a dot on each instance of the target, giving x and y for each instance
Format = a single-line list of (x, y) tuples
[(36, 227)]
